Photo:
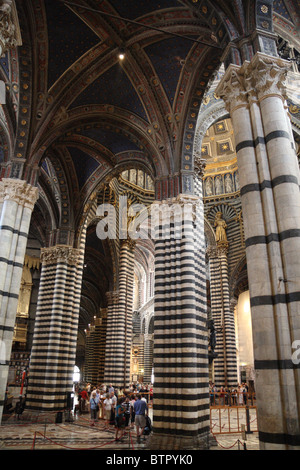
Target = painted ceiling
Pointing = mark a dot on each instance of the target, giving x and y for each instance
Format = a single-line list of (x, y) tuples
[(92, 113), (74, 33), (102, 112)]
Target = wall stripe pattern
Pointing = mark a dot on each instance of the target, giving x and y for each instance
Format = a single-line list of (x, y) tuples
[(55, 334), (17, 199), (269, 209), (180, 406)]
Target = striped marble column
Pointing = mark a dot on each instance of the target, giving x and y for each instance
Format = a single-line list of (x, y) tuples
[(17, 199), (225, 364), (55, 333), (103, 325), (119, 322), (181, 404), (148, 357), (111, 336), (269, 180), (217, 314)]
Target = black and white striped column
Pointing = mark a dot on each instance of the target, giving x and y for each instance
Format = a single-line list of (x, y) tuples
[(55, 333), (102, 351), (111, 336), (269, 180), (17, 199), (181, 405), (225, 364), (148, 357), (119, 322)]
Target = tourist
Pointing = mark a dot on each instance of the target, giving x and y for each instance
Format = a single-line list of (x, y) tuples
[(132, 402), (127, 406), (94, 407), (120, 420), (107, 404), (140, 409)]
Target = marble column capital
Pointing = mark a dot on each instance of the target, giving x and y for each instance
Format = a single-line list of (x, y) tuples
[(262, 77), (217, 251), (18, 191), (232, 88), (265, 76), (10, 35), (131, 244), (112, 297), (60, 253), (222, 248), (199, 166)]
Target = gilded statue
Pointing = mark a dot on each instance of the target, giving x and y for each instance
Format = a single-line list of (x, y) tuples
[(221, 226)]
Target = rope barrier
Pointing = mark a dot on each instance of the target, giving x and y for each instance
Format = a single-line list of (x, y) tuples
[(227, 448), (67, 447)]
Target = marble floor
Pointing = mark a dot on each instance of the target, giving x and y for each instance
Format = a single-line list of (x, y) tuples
[(76, 433)]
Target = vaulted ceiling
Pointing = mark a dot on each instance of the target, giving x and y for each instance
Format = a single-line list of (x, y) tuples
[(77, 115), (76, 105)]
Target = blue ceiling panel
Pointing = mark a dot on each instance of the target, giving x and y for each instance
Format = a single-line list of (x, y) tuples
[(69, 39)]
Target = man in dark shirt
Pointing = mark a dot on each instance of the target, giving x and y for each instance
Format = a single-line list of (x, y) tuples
[(140, 409)]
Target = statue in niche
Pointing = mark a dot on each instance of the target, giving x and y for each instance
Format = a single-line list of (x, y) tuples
[(228, 184), (208, 187), (221, 226), (133, 176), (218, 185), (150, 183), (140, 179)]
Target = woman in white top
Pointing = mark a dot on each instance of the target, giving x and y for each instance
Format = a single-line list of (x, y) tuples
[(107, 410)]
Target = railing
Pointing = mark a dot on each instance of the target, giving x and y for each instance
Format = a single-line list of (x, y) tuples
[(232, 420), (232, 399), (233, 412)]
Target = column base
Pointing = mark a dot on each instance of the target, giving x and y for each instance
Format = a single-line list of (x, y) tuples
[(174, 442)]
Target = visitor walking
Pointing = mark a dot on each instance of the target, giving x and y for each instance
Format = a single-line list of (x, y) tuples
[(94, 407), (107, 404), (120, 420), (140, 409)]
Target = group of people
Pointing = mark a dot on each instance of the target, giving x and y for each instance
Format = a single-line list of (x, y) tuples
[(120, 408), (232, 396)]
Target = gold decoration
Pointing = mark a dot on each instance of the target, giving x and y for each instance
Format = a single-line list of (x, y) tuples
[(220, 225)]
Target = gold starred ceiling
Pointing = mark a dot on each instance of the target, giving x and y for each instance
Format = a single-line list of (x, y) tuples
[(218, 148)]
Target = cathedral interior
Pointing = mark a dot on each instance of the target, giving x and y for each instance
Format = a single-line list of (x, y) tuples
[(121, 106)]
